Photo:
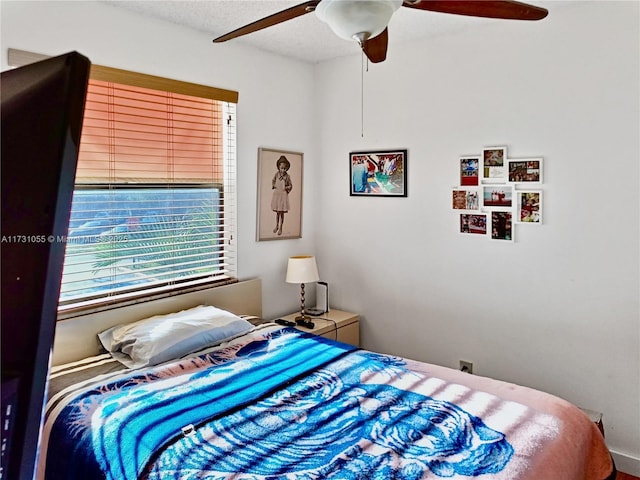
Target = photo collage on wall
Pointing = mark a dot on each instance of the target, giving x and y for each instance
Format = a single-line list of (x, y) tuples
[(496, 192)]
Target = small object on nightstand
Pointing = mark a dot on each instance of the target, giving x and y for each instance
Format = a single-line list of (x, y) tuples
[(253, 320), (322, 296), (305, 322), (335, 325), (287, 323), (314, 312)]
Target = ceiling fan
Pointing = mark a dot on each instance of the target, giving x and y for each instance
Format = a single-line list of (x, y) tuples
[(365, 21)]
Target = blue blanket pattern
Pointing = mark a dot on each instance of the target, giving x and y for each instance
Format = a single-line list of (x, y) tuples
[(347, 418), (112, 431)]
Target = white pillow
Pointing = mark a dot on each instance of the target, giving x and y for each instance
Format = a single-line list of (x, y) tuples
[(161, 338)]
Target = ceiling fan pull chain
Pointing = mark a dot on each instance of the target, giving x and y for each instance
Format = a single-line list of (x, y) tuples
[(362, 57)]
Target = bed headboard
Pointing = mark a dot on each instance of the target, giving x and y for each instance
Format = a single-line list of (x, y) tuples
[(76, 338)]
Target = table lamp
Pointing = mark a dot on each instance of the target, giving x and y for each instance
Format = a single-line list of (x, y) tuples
[(302, 269)]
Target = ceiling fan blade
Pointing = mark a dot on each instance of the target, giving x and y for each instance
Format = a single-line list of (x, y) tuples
[(376, 48), (506, 9), (283, 16)]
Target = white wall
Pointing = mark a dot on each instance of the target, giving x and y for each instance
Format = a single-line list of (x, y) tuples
[(275, 107), (558, 309)]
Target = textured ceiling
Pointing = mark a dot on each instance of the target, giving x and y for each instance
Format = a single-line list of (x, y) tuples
[(305, 38)]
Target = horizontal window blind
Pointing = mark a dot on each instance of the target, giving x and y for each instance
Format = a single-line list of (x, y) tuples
[(133, 134), (154, 203)]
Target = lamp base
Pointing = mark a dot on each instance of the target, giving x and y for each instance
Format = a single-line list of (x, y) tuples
[(305, 322)]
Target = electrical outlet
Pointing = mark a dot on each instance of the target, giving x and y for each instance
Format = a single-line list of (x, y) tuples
[(466, 367)]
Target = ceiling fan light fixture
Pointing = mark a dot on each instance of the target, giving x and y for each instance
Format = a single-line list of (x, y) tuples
[(357, 19)]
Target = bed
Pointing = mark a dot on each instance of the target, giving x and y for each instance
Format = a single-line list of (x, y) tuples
[(270, 402)]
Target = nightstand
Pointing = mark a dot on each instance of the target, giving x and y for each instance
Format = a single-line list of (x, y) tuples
[(335, 324), (595, 417)]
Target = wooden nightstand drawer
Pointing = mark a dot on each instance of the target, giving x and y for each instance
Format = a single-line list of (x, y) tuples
[(350, 333)]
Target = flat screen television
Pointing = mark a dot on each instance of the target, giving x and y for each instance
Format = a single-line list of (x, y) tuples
[(41, 112)]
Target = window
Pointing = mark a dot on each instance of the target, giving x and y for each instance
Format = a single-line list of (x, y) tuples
[(154, 202)]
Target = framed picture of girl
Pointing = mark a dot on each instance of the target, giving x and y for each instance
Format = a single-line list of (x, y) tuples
[(279, 209)]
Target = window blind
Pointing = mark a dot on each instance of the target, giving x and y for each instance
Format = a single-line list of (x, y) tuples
[(154, 203), (139, 135)]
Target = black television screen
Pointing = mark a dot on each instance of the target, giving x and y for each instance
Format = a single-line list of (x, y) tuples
[(41, 111)]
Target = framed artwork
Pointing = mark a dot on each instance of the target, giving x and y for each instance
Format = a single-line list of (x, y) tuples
[(497, 196), (378, 173), (465, 198), (525, 170), (473, 224), (279, 209), (469, 171), (502, 225), (493, 165), (529, 207)]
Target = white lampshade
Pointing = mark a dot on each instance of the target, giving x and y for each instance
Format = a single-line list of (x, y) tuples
[(302, 269), (359, 19)]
